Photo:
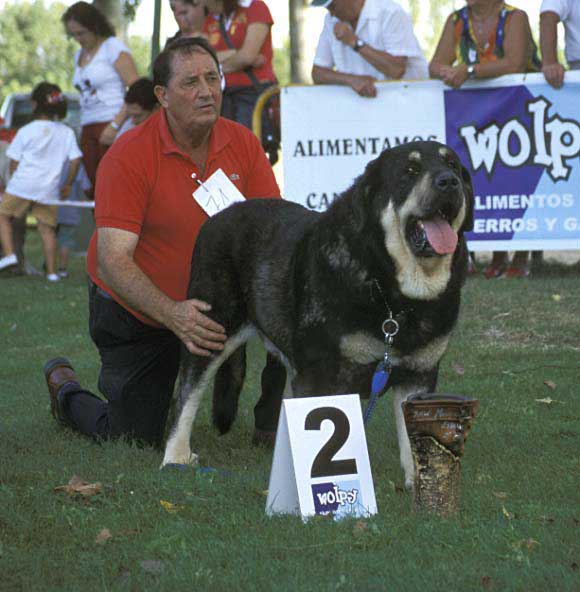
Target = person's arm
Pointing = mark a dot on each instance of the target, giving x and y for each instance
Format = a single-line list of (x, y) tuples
[(12, 166), (125, 67), (552, 69), (247, 54), (444, 55), (390, 65), (363, 85), (117, 268), (73, 169)]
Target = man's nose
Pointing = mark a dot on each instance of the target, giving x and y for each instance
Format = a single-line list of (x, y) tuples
[(204, 88)]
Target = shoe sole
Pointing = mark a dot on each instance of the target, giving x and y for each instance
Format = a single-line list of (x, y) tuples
[(52, 364)]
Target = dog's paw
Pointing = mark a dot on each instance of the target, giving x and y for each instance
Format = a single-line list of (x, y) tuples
[(189, 459), (410, 483)]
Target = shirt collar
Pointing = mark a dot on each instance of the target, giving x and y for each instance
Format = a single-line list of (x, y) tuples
[(218, 139)]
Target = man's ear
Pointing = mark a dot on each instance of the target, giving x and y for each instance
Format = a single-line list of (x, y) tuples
[(469, 199), (160, 94)]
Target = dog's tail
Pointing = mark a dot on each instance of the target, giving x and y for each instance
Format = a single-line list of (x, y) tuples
[(226, 390)]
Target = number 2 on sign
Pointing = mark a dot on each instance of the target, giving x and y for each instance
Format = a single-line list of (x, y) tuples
[(324, 465)]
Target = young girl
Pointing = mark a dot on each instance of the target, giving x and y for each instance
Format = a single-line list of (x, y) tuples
[(37, 156)]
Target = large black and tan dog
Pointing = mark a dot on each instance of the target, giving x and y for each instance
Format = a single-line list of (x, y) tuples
[(316, 287)]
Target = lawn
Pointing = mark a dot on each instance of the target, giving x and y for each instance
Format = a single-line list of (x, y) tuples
[(516, 349)]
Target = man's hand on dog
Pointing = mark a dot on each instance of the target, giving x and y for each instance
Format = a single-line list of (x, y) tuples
[(198, 332)]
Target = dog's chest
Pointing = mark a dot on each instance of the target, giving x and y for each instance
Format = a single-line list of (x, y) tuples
[(362, 348)]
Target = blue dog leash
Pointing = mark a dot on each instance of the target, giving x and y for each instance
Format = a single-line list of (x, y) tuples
[(380, 379)]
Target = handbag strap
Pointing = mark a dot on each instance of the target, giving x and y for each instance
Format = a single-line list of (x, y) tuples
[(249, 71)]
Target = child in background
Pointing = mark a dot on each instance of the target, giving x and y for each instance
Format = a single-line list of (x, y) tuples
[(69, 217), (37, 156)]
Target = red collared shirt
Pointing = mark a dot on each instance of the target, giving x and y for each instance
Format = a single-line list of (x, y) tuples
[(145, 185)]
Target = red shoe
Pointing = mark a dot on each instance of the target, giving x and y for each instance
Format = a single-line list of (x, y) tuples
[(516, 272), (494, 270)]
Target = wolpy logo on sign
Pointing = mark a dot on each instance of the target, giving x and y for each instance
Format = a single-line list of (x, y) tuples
[(340, 499), (549, 143)]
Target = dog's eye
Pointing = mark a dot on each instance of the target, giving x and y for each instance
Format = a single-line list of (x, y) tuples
[(452, 165), (412, 170)]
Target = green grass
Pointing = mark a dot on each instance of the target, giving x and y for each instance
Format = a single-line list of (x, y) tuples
[(519, 526)]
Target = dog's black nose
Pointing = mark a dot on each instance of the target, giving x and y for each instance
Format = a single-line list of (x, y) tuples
[(446, 181)]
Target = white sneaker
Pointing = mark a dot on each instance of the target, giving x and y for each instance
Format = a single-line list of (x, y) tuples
[(52, 277), (8, 261)]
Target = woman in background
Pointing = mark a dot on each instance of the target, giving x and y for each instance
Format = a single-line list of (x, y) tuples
[(485, 39), (104, 68), (189, 16), (240, 32)]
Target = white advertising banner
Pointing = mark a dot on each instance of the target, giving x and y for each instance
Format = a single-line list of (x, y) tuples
[(330, 133), (518, 137)]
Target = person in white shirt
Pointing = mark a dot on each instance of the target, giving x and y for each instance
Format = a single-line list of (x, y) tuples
[(103, 70), (37, 154), (551, 13), (364, 41)]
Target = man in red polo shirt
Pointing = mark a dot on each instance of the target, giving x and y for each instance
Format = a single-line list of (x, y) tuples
[(139, 257)]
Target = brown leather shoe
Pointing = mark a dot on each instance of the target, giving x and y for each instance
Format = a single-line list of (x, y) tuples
[(59, 372)]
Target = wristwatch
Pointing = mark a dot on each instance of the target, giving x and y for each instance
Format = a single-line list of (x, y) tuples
[(471, 71), (115, 125), (358, 45)]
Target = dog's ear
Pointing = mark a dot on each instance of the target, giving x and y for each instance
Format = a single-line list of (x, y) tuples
[(469, 200), (367, 185)]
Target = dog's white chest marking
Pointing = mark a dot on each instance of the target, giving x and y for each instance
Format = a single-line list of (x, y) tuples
[(362, 348)]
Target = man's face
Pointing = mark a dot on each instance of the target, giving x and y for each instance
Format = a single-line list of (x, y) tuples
[(136, 113), (344, 10), (193, 96)]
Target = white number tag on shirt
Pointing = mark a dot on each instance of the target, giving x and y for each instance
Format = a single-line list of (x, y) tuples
[(217, 193)]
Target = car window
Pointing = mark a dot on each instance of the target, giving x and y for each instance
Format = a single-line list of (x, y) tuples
[(22, 113)]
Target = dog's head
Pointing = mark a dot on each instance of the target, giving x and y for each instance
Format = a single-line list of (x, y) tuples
[(423, 198)]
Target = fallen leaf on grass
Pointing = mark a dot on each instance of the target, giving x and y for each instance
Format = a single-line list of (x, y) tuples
[(556, 297), (103, 536), (507, 515), (547, 401), (529, 544), (458, 368), (574, 566), (78, 486), (547, 519), (500, 494), (169, 507), (486, 583), (501, 315), (550, 384)]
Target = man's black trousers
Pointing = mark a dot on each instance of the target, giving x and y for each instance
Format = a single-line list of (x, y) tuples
[(139, 366)]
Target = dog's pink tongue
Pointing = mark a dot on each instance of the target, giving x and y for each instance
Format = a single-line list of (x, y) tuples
[(441, 237)]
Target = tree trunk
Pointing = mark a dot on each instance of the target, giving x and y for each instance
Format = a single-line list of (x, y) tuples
[(299, 69)]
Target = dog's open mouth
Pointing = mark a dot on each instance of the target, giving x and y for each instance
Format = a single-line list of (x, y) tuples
[(433, 236)]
